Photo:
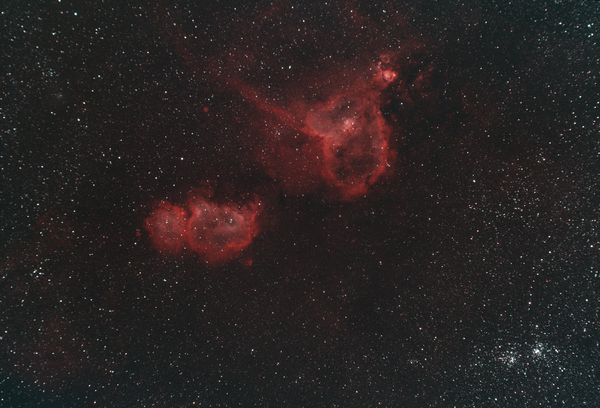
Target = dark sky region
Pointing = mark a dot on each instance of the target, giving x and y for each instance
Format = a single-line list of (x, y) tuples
[(299, 204)]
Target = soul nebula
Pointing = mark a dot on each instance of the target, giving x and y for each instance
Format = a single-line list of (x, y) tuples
[(214, 232)]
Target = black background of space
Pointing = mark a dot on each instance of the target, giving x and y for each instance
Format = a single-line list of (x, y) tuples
[(469, 278)]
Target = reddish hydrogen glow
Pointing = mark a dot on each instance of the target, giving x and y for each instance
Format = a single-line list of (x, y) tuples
[(354, 142), (389, 76), (342, 143), (215, 232), (166, 226), (220, 233)]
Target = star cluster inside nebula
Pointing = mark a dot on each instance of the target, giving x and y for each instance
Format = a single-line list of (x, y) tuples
[(298, 204)]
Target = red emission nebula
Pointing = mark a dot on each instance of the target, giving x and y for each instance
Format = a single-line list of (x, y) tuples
[(216, 233), (353, 138), (346, 147), (325, 132), (341, 143)]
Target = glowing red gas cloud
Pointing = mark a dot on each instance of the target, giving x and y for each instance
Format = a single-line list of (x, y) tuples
[(214, 232), (313, 126), (342, 143)]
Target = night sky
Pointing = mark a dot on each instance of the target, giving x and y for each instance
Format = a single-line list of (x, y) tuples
[(299, 203)]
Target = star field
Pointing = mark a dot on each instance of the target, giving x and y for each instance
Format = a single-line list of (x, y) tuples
[(299, 204)]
